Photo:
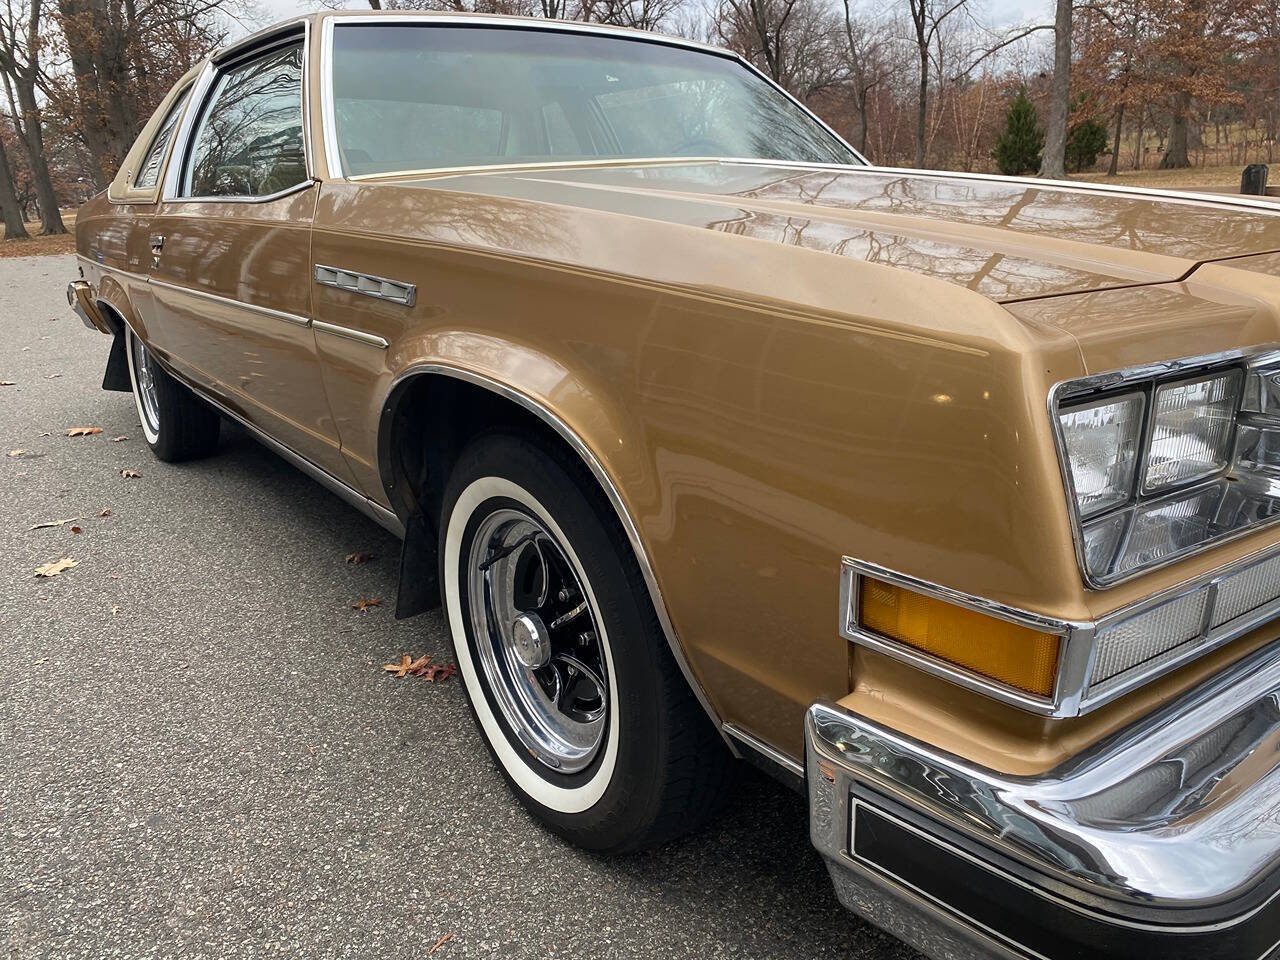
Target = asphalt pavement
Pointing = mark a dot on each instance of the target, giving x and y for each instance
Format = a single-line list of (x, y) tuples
[(201, 755)]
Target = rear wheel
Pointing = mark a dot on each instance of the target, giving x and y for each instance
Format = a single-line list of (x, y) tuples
[(567, 670), (176, 424)]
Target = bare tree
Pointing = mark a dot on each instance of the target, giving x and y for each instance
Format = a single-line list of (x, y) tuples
[(20, 47), (867, 68), (927, 18), (1053, 160)]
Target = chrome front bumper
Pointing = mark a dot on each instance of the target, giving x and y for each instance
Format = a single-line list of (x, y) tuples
[(1162, 840)]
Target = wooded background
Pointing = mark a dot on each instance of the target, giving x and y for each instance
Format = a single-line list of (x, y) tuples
[(1171, 83)]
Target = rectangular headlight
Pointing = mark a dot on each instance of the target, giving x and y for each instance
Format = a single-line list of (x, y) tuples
[(1102, 442), (1192, 429)]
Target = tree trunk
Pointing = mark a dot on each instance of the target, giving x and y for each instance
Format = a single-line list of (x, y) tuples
[(1115, 147), (33, 140), (1175, 155), (10, 209), (922, 108), (1053, 160)]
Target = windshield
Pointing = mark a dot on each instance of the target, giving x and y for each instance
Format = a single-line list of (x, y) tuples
[(417, 97)]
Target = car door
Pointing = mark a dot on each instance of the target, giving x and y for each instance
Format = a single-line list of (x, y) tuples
[(230, 242)]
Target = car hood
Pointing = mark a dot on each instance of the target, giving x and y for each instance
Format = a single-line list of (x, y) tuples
[(1008, 239)]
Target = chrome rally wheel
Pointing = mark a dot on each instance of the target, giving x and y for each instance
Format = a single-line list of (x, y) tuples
[(176, 424), (568, 673), (538, 640), (142, 372)]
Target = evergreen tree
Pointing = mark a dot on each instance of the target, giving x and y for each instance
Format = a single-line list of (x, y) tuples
[(1084, 143), (1017, 151)]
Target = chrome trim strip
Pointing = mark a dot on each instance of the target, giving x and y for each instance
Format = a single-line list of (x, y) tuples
[(265, 198), (140, 277), (238, 304), (334, 162), (393, 291), (1065, 391), (765, 750), (348, 333), (611, 491), (374, 511)]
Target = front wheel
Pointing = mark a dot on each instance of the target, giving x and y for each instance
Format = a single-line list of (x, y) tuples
[(565, 665), (176, 424)]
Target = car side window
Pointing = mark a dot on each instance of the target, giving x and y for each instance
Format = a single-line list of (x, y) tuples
[(248, 142), (149, 173)]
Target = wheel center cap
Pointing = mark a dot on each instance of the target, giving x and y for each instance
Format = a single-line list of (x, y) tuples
[(529, 641)]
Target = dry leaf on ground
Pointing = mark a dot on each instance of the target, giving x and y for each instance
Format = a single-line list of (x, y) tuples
[(130, 474), (75, 530), (53, 523), (7, 383), (438, 672), (401, 668), (52, 376), (55, 568), (17, 453), (115, 608), (364, 603), (106, 512), (358, 557), (118, 439), (83, 431), (440, 943)]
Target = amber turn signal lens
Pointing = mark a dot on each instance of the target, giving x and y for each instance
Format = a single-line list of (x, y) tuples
[(1018, 656)]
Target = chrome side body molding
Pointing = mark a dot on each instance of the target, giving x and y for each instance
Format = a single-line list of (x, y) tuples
[(379, 287)]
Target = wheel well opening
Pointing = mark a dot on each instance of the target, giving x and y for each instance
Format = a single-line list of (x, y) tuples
[(432, 419)]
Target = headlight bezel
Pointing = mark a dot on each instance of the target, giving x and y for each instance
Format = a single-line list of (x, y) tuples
[(1256, 364)]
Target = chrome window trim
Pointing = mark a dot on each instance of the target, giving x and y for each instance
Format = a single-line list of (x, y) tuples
[(201, 89), (349, 333), (333, 160), (293, 318), (1073, 694), (1068, 391)]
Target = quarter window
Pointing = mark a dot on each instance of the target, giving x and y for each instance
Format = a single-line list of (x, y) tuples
[(249, 139), (149, 173)]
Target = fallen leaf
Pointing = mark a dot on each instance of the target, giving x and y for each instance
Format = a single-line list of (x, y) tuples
[(17, 453), (46, 434), (419, 666), (438, 672), (55, 568), (440, 943), (106, 512), (310, 749), (358, 557), (52, 376), (83, 431), (118, 439), (130, 474), (75, 530), (401, 668), (42, 660), (7, 383), (364, 603), (115, 608), (53, 523)]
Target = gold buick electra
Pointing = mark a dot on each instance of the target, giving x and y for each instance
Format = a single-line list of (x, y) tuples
[(947, 498)]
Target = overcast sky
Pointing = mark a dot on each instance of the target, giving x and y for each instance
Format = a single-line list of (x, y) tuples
[(1001, 12)]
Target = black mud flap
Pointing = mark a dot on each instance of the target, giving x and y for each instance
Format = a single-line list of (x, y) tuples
[(419, 589), (117, 375)]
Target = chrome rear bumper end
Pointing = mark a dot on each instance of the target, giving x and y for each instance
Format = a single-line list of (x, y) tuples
[(1163, 840), (80, 299)]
